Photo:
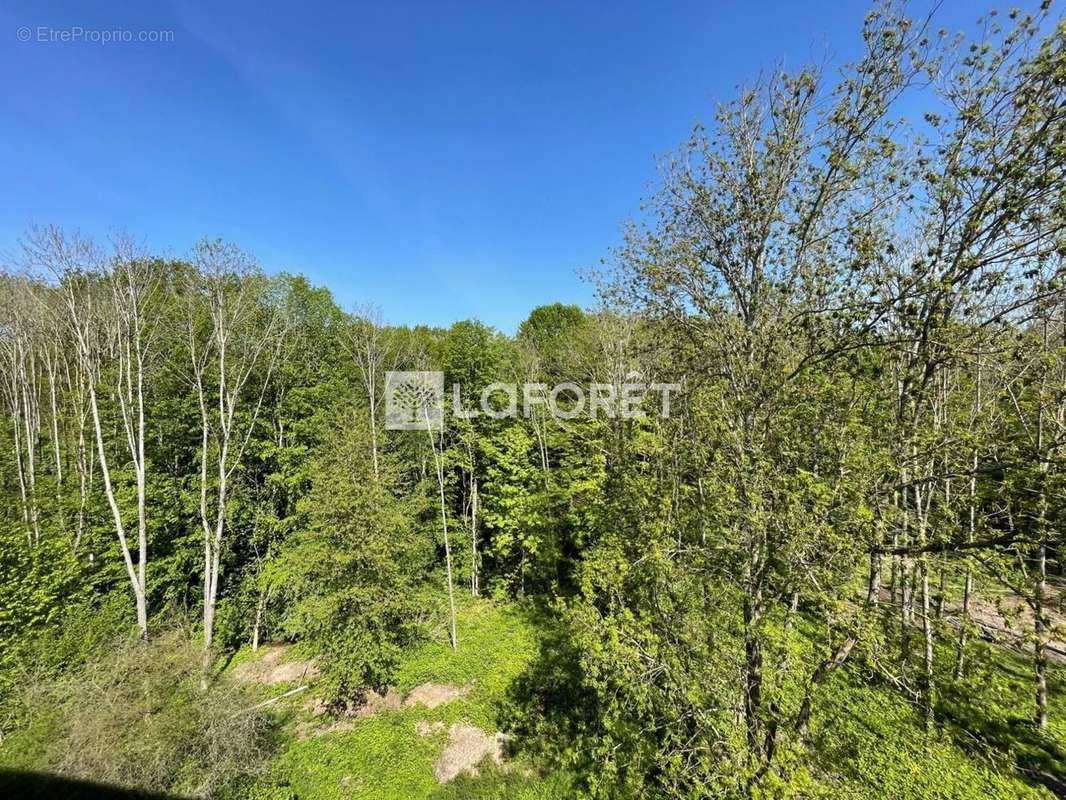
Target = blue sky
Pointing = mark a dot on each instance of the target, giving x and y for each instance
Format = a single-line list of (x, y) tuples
[(440, 160)]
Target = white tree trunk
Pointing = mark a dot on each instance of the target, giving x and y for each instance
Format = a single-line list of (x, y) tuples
[(438, 459)]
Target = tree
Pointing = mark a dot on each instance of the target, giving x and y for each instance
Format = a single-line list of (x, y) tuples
[(368, 345), (109, 306), (234, 334), (354, 576)]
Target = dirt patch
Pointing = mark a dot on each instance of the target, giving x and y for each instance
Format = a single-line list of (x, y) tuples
[(423, 728), (432, 695), (375, 703), (1008, 619), (1004, 618), (371, 704), (349, 717), (467, 747), (272, 667)]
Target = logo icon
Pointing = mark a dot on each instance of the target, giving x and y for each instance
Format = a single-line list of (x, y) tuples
[(414, 401)]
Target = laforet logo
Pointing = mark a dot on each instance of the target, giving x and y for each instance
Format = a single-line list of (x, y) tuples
[(414, 400)]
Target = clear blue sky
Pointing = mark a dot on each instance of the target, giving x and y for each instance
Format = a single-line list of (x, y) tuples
[(440, 160)]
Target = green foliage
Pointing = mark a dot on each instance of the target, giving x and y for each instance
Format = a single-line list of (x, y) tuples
[(136, 716), (353, 578), (79, 632), (514, 506), (472, 356), (35, 584), (554, 333), (867, 322), (386, 757)]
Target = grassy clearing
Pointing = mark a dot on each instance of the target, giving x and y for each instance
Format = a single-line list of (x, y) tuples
[(869, 742), (385, 758), (873, 744)]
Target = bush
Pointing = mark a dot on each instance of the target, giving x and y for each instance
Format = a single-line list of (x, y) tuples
[(136, 717)]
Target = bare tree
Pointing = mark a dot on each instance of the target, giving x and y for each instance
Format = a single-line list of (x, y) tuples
[(18, 358), (234, 334), (134, 291), (107, 305), (367, 343)]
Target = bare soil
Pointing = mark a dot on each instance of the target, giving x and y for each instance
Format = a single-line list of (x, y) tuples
[(273, 667), (375, 703), (423, 728), (1009, 616), (467, 747), (432, 695)]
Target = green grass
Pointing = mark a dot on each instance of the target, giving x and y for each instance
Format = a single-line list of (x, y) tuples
[(495, 784), (382, 758), (495, 643), (867, 740), (871, 742), (385, 758), (991, 711)]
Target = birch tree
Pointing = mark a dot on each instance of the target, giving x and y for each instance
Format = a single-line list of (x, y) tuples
[(109, 308), (234, 334), (19, 343), (367, 343)]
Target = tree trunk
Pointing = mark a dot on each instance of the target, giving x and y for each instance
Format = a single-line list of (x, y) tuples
[(927, 631), (967, 586), (57, 456), (873, 586), (260, 607), (1040, 645), (752, 657), (922, 502), (474, 588), (210, 602), (1040, 581), (23, 496), (964, 622), (438, 459), (120, 529), (905, 608), (31, 423), (941, 592)]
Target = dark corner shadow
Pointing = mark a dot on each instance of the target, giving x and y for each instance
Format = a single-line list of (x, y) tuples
[(16, 785)]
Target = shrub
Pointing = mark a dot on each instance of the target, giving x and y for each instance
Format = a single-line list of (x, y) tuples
[(136, 717)]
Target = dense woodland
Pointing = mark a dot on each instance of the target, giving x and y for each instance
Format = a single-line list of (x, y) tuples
[(855, 506)]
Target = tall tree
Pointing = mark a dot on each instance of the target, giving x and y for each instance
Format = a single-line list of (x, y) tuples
[(234, 334), (109, 306)]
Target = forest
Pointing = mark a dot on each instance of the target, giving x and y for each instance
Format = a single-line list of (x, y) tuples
[(831, 565)]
